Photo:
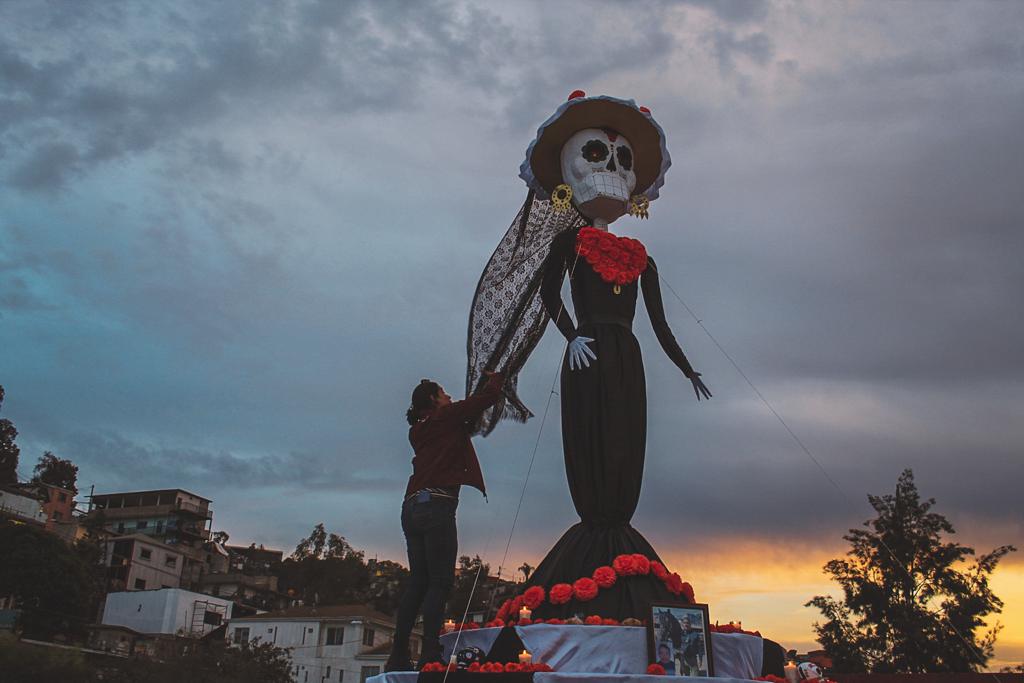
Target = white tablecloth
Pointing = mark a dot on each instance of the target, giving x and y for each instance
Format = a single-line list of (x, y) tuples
[(611, 649)]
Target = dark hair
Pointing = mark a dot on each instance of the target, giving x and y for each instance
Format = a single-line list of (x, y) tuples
[(422, 399)]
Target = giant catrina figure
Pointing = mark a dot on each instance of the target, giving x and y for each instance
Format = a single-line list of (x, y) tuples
[(593, 160)]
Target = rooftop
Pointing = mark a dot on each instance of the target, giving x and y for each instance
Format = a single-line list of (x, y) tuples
[(149, 493), (310, 612)]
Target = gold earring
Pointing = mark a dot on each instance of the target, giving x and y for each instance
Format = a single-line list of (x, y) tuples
[(561, 197), (638, 206)]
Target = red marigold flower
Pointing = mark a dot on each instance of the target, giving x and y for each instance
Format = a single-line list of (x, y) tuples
[(687, 590), (512, 667), (474, 667), (641, 564), (658, 569), (503, 611), (609, 622), (623, 565), (604, 577), (655, 670), (560, 594), (556, 622), (584, 589), (542, 667), (534, 597), (524, 622), (593, 620)]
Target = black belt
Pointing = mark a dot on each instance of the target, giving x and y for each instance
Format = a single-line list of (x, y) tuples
[(607, 320), (430, 495)]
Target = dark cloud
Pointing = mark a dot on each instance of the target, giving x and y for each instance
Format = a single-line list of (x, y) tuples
[(263, 225)]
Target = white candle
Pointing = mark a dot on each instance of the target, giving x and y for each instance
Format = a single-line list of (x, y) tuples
[(791, 673), (525, 657), (449, 626), (524, 613)]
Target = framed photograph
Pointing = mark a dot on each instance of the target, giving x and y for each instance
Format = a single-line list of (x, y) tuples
[(679, 638)]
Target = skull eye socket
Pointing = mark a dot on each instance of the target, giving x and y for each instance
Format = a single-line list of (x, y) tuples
[(625, 157), (595, 150)]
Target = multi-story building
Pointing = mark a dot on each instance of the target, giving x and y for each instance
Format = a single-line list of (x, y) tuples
[(336, 643), (172, 517), (136, 562)]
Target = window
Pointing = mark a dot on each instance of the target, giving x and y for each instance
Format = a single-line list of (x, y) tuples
[(160, 526), (120, 527), (140, 584), (328, 670), (368, 634), (341, 675), (212, 618), (141, 524), (368, 672), (335, 635), (145, 553), (241, 636), (170, 561)]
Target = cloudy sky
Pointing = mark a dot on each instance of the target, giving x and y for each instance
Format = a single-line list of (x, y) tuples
[(233, 237)]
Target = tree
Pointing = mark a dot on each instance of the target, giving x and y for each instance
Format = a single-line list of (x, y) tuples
[(55, 587), (56, 471), (526, 569), (910, 605), (325, 570), (9, 450)]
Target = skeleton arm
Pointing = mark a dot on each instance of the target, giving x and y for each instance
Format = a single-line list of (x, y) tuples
[(656, 311), (551, 294)]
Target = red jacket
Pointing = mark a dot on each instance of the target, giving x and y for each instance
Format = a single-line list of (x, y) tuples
[(444, 454)]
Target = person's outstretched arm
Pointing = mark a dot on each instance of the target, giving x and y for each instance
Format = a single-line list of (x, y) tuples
[(471, 407)]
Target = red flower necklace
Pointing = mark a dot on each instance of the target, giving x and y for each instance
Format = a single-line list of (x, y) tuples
[(618, 260)]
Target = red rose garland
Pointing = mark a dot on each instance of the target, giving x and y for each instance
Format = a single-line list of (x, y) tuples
[(587, 588), (533, 597), (560, 594), (604, 577), (584, 589), (618, 260)]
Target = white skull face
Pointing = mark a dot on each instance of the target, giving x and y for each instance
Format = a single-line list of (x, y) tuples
[(598, 166)]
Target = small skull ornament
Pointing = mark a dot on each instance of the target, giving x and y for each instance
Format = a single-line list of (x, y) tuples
[(468, 655), (809, 671), (598, 165)]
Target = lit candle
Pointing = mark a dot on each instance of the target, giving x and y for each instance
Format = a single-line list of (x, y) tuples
[(525, 657), (449, 626), (791, 673), (524, 613)]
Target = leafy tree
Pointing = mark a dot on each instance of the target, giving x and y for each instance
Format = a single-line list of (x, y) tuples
[(526, 570), (56, 471), (325, 570), (208, 662), (910, 605), (54, 585), (9, 450)]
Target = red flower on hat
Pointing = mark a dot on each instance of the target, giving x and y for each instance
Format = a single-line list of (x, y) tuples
[(576, 94)]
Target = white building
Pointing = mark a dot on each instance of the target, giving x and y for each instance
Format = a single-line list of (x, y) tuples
[(21, 506), (167, 611), (337, 643)]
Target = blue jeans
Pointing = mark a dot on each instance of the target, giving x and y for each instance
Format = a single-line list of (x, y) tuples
[(433, 544)]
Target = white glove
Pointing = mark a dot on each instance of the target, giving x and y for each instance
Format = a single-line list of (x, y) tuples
[(578, 352)]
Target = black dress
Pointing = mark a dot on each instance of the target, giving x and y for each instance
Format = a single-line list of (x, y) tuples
[(604, 431)]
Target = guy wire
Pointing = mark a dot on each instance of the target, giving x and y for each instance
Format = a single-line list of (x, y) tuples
[(807, 451)]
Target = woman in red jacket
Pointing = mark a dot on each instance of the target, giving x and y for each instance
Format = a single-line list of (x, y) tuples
[(444, 460)]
